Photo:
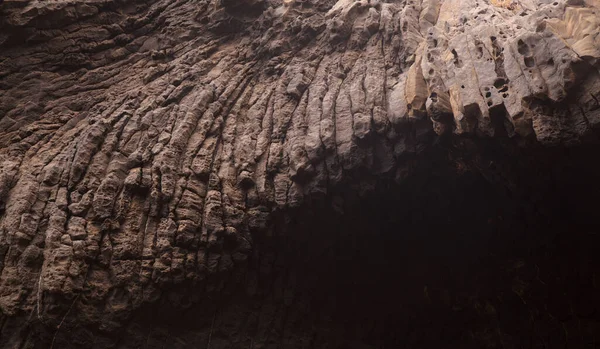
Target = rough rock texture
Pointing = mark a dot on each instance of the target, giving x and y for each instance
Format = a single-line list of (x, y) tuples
[(178, 173)]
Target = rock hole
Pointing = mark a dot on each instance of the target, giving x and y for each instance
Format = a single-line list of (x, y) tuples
[(523, 48), (529, 62), (541, 27), (499, 83), (479, 52), (457, 61)]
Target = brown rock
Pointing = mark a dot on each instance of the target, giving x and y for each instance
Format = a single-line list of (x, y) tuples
[(153, 153)]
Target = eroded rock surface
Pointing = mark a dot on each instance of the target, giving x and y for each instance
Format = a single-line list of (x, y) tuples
[(146, 146)]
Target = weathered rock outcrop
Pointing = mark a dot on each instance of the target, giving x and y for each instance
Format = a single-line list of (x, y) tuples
[(153, 154)]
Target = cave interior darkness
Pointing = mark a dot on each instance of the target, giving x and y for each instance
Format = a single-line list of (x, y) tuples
[(453, 257)]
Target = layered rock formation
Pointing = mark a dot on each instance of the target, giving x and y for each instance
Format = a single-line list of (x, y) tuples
[(157, 156)]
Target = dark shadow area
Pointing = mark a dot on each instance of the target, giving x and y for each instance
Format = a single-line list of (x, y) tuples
[(478, 246), (495, 250)]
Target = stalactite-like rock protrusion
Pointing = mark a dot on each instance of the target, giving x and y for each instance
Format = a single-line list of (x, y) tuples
[(150, 151)]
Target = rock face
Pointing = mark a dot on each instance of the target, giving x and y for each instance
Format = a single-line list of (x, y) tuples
[(164, 164)]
